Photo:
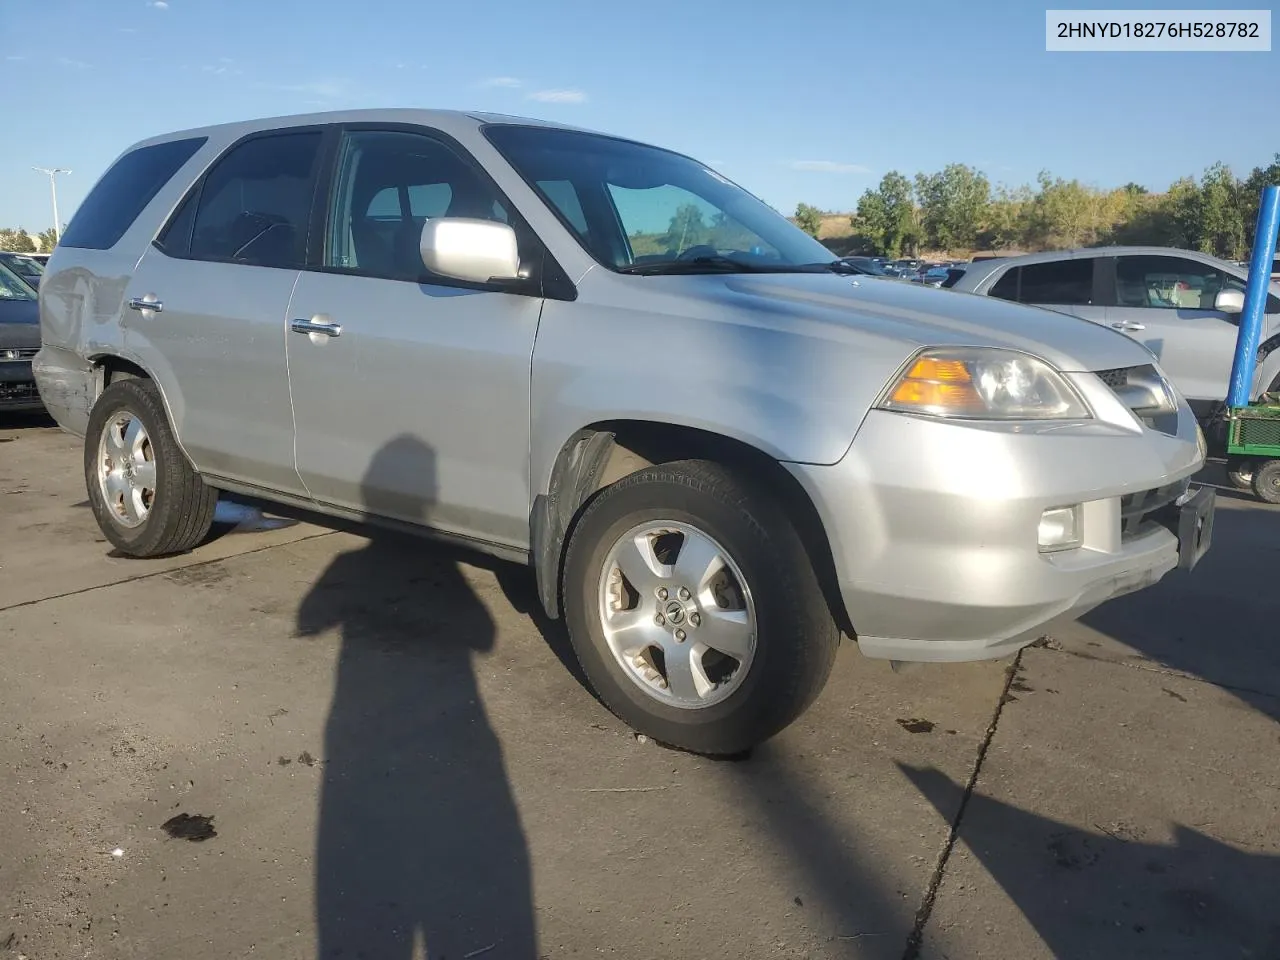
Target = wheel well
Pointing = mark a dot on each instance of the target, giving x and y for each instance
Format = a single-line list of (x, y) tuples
[(115, 368), (623, 447)]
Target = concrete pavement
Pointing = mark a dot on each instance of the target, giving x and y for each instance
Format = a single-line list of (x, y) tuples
[(399, 761)]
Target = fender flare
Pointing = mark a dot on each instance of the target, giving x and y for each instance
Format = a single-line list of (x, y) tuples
[(578, 472)]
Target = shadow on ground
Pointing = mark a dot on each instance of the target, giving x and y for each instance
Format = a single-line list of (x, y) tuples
[(419, 838), (1218, 622), (1113, 896)]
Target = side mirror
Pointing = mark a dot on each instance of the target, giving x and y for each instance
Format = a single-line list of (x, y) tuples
[(475, 250), (1229, 301)]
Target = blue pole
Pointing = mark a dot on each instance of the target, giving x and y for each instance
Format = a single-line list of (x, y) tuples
[(1255, 299)]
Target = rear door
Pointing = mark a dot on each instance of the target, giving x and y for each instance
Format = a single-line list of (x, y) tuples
[(207, 307), (1166, 304), (1066, 286)]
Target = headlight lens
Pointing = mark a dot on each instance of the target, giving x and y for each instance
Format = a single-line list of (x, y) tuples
[(984, 383)]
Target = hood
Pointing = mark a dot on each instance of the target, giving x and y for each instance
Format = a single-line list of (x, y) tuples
[(925, 316), (19, 324)]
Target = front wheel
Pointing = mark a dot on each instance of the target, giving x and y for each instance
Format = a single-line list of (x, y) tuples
[(147, 498), (694, 609)]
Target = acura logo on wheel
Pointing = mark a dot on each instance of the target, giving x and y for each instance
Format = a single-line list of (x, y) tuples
[(675, 612)]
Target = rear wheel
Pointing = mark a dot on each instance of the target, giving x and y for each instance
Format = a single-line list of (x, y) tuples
[(146, 496), (1266, 481), (694, 609)]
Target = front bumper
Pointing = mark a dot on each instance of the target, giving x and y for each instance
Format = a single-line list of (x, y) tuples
[(18, 389), (933, 527)]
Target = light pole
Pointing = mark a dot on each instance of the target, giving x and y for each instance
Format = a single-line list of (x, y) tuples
[(52, 174)]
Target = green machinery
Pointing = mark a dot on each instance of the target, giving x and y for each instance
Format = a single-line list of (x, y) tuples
[(1253, 447)]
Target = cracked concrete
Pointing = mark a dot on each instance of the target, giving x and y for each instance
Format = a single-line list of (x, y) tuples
[(399, 761)]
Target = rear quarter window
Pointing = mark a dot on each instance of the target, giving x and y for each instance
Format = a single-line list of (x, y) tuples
[(124, 191)]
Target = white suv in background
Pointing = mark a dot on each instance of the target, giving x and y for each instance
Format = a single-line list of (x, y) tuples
[(1181, 305)]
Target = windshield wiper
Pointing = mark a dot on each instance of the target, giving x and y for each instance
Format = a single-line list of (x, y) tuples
[(836, 266), (695, 265)]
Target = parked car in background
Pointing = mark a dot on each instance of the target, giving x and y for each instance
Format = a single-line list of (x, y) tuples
[(934, 276), (1181, 305), (24, 265), (19, 342), (717, 451), (864, 265)]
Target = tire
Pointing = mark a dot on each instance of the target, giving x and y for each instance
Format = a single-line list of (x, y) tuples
[(140, 519), (783, 656), (1240, 473), (1266, 481)]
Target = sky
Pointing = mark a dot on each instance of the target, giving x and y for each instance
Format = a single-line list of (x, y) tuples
[(796, 101)]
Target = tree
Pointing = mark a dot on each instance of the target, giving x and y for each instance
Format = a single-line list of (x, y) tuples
[(887, 216), (953, 205), (1251, 195), (1222, 230), (687, 228), (1008, 218), (48, 239), (19, 241), (808, 219)]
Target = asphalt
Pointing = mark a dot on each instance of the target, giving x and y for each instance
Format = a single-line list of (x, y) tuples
[(301, 742)]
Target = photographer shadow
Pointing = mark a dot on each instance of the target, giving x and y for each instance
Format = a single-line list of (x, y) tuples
[(420, 850)]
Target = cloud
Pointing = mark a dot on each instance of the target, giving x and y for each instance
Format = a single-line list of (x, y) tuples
[(828, 166), (558, 96), (15, 58), (73, 64), (127, 29), (158, 4), (509, 83)]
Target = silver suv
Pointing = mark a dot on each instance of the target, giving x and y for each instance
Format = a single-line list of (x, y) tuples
[(717, 449)]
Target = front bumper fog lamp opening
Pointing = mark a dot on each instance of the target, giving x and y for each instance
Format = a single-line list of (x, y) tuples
[(1059, 529)]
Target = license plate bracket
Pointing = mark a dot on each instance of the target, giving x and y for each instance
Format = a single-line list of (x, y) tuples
[(1195, 527)]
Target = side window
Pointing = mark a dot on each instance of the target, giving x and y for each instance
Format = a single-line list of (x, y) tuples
[(564, 197), (1006, 288), (389, 184), (1169, 283), (255, 205), (124, 190), (1058, 282)]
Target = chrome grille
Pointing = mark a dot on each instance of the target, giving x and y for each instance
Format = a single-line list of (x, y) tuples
[(21, 353), (1116, 378), (1144, 391), (18, 392), (1136, 508)]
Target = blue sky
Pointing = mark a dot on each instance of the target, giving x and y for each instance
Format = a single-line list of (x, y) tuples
[(797, 101)]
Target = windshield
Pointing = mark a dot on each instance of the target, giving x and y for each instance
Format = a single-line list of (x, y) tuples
[(22, 265), (13, 288), (639, 209)]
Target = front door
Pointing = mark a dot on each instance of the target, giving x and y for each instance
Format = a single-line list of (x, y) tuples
[(206, 308), (1166, 304), (410, 392)]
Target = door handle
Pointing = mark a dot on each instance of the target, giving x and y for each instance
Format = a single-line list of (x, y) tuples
[(142, 303), (311, 326), (1129, 325)]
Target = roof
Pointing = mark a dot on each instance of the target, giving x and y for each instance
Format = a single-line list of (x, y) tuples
[(446, 120)]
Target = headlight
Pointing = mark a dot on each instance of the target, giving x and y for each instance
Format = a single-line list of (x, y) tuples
[(984, 383)]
